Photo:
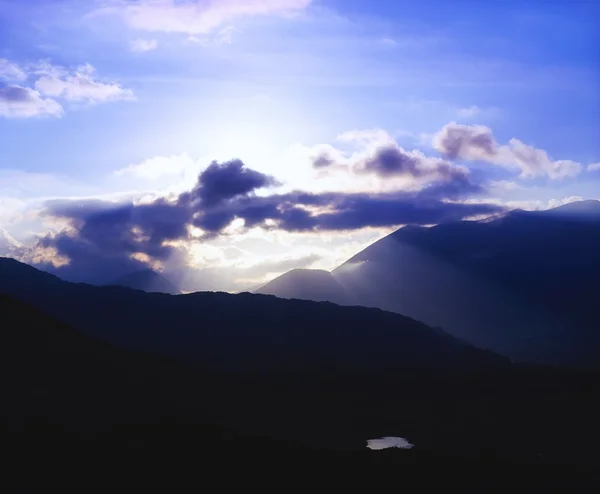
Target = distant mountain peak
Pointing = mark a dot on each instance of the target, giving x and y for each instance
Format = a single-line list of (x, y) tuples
[(587, 208), (147, 280), (308, 284)]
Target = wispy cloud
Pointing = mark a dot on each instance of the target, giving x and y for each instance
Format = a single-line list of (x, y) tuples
[(11, 72), (23, 102), (79, 84), (594, 167), (222, 37), (52, 83), (193, 16), (141, 45), (158, 167), (469, 112), (477, 143)]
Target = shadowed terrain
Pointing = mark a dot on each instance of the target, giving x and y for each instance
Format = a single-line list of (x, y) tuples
[(72, 400), (244, 332), (308, 284), (523, 285), (147, 281)]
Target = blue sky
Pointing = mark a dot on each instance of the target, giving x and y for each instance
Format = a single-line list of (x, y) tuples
[(124, 100)]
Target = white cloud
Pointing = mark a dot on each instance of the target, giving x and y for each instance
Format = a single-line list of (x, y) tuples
[(8, 245), (52, 82), (11, 210), (528, 204), (594, 167), (11, 72), (193, 16), (477, 143), (23, 102), (78, 85), (159, 167), (469, 112), (503, 186), (222, 37), (142, 45), (367, 137)]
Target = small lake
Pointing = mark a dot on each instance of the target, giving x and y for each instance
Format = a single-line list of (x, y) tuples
[(389, 442)]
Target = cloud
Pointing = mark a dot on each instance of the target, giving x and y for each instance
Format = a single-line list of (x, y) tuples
[(193, 16), (469, 112), (594, 167), (158, 167), (223, 181), (326, 156), (11, 72), (78, 85), (106, 239), (11, 210), (477, 143), (52, 83), (503, 186), (221, 37), (142, 45), (385, 159), (9, 247), (23, 102)]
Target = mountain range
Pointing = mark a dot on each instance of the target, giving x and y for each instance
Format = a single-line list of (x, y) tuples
[(71, 399), (523, 285), (243, 332), (93, 376)]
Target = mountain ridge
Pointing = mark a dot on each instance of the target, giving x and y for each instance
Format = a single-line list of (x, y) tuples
[(496, 283), (146, 280), (245, 331)]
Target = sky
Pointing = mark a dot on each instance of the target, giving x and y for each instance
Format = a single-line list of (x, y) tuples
[(225, 142)]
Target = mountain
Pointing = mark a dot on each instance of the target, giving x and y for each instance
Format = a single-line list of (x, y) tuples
[(246, 332), (89, 411), (147, 281), (308, 284), (524, 285)]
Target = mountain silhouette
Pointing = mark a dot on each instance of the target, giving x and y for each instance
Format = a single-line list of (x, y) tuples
[(308, 284), (75, 400), (522, 285), (246, 331), (147, 281)]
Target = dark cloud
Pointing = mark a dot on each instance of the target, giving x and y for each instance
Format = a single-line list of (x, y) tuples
[(354, 211), (465, 142), (107, 240), (15, 94), (389, 161), (322, 160), (224, 181), (392, 161), (477, 143)]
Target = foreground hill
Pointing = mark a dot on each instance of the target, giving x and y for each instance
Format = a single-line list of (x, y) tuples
[(245, 331), (85, 408), (147, 281), (308, 284)]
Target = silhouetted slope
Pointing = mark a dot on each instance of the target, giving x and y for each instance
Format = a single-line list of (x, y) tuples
[(245, 331), (73, 402), (308, 284), (523, 285), (147, 281)]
